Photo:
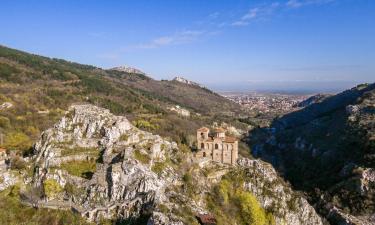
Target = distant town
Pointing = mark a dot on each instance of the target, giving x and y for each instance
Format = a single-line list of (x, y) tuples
[(266, 102)]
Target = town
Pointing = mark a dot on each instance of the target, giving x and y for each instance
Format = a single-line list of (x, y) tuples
[(266, 102)]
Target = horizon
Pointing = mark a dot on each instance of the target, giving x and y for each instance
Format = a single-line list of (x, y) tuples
[(292, 45)]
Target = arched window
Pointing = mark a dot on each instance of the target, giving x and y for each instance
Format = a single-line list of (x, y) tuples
[(204, 154), (202, 146), (216, 146), (202, 135)]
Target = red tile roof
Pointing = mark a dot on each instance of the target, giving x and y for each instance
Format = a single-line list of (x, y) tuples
[(206, 219), (203, 129), (219, 130), (230, 139)]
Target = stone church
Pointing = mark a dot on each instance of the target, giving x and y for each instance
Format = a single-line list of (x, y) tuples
[(217, 146)]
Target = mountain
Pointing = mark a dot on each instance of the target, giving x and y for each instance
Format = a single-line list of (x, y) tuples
[(83, 145), (40, 89), (185, 81), (327, 149), (311, 100), (104, 168), (128, 69)]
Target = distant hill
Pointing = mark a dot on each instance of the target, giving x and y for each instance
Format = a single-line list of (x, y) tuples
[(128, 69), (40, 89), (328, 150), (187, 94), (311, 100)]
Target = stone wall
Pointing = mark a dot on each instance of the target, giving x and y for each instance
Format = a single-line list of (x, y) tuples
[(216, 148)]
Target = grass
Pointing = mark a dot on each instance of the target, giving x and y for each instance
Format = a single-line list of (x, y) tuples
[(143, 158), (84, 169), (158, 167)]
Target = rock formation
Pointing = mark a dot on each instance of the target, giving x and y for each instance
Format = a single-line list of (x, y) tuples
[(140, 174)]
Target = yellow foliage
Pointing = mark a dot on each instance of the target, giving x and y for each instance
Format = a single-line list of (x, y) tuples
[(251, 211), (17, 141), (52, 188)]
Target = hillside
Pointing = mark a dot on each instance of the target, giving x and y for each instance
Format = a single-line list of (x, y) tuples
[(328, 149), (191, 96), (110, 172), (40, 89)]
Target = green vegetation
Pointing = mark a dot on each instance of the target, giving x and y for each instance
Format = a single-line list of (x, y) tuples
[(143, 158), (33, 83), (228, 202), (124, 137), (14, 213), (158, 167), (84, 169), (145, 125), (17, 141), (51, 188)]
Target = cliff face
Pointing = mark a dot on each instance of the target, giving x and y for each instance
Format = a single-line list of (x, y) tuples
[(327, 149), (103, 167)]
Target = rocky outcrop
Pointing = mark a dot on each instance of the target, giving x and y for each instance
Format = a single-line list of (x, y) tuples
[(275, 195), (185, 81), (128, 69), (141, 174), (6, 105), (327, 150), (123, 184)]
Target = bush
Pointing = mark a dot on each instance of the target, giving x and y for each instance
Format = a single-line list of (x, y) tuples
[(4, 122), (143, 158), (158, 167), (84, 169), (17, 163), (51, 188), (251, 212), (230, 204), (17, 141), (144, 124)]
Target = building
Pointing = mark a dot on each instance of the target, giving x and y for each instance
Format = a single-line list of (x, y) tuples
[(217, 146)]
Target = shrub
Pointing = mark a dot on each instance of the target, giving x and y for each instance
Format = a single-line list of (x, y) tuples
[(17, 163), (51, 188), (230, 204), (84, 169), (251, 212), (17, 141), (158, 167), (143, 158), (144, 124), (124, 137), (4, 122)]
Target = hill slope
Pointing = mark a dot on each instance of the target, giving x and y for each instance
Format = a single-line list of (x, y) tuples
[(328, 150), (40, 89)]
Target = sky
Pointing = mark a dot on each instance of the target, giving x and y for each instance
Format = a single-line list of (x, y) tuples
[(227, 45)]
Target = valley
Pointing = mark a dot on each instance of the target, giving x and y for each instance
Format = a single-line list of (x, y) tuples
[(85, 145)]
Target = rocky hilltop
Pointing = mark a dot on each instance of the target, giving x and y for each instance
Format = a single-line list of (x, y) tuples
[(186, 81), (128, 69), (103, 167)]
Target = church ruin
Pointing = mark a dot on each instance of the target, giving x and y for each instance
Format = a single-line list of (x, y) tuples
[(217, 146)]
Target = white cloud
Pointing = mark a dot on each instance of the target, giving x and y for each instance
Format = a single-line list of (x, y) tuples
[(301, 3), (182, 37), (251, 14), (256, 13)]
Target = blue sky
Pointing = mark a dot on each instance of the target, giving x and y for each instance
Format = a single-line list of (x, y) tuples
[(322, 45)]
